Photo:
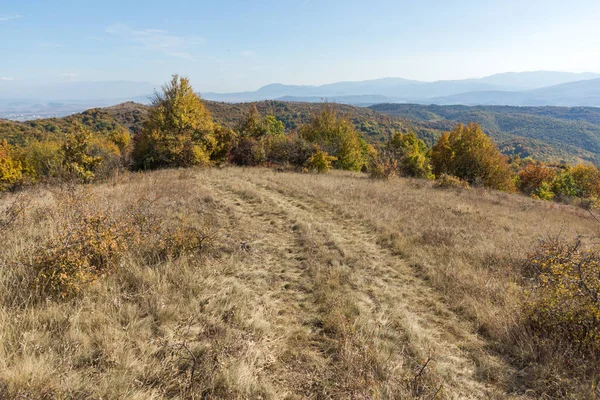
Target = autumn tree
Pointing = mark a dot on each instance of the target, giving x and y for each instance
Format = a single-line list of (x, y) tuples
[(254, 136), (337, 137), (469, 154), (179, 131), (535, 179), (77, 157), (255, 126), (410, 153), (586, 178), (11, 171)]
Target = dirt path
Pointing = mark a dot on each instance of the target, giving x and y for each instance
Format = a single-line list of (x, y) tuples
[(393, 321)]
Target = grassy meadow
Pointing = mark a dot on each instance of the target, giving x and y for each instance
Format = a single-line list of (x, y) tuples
[(252, 283)]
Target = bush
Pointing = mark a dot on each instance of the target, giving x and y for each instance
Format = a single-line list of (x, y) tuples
[(290, 149), (43, 160), (384, 167), (411, 153), (11, 170), (77, 156), (586, 179), (446, 181), (110, 154), (543, 192), (253, 125), (248, 151), (90, 241), (403, 155), (469, 154), (88, 244), (320, 162), (225, 140), (564, 305), (535, 179)]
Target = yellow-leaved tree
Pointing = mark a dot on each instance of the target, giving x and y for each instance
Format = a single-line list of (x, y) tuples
[(337, 137), (179, 131), (469, 154), (11, 171)]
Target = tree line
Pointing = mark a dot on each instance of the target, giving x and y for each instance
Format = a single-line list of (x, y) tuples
[(180, 132)]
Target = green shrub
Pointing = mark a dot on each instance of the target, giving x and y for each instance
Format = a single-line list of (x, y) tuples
[(403, 155), (77, 156), (255, 126), (563, 184), (43, 160), (543, 192), (586, 178), (412, 155)]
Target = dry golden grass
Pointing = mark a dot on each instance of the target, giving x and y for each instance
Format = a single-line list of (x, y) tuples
[(328, 286)]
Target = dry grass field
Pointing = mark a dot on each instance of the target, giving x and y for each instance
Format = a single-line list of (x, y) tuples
[(311, 286)]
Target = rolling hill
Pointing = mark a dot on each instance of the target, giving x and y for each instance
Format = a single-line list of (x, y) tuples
[(547, 133), (551, 133), (580, 93)]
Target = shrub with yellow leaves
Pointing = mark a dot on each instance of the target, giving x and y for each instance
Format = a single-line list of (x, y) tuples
[(320, 161), (564, 303), (11, 171), (91, 241)]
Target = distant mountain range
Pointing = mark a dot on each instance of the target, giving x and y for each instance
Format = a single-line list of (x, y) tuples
[(23, 101), (525, 88)]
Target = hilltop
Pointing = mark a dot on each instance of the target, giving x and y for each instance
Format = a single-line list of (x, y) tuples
[(289, 258)]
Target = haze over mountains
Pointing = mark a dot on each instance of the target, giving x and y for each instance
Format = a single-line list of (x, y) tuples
[(526, 88), (24, 101)]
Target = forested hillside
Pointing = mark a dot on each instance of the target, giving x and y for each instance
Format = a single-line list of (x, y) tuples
[(548, 133)]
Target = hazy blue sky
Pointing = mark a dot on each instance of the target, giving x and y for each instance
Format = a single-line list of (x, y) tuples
[(231, 45)]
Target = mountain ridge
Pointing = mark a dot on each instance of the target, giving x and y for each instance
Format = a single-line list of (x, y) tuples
[(405, 90)]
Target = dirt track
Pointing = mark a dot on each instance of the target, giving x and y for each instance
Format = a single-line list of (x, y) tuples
[(298, 246)]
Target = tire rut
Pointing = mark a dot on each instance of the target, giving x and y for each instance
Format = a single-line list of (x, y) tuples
[(388, 283), (275, 249)]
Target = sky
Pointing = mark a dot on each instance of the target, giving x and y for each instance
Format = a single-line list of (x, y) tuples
[(227, 45)]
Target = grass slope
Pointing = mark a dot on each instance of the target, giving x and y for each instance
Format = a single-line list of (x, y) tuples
[(329, 286)]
